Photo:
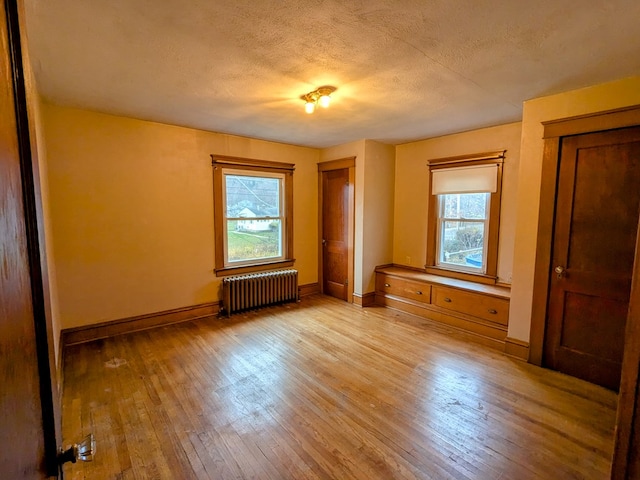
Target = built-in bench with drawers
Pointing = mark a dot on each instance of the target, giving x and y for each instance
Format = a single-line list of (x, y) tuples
[(480, 311)]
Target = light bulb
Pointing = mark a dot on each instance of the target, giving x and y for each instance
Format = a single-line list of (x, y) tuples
[(324, 101), (309, 107)]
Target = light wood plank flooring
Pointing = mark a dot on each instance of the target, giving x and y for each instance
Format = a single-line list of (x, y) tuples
[(326, 390)]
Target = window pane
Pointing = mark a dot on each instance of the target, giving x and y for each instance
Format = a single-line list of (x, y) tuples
[(249, 196), (253, 239), (462, 243), (465, 205)]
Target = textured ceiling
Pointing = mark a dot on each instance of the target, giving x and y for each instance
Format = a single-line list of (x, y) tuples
[(404, 69)]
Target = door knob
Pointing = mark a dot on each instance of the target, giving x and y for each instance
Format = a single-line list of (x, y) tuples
[(560, 271), (83, 451)]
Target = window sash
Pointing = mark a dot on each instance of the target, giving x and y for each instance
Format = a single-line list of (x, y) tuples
[(281, 218), (440, 231)]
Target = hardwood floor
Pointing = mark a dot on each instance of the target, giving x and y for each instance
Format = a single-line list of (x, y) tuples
[(326, 390)]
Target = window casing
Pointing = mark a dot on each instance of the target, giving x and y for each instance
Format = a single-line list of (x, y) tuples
[(463, 225), (253, 210), (464, 216)]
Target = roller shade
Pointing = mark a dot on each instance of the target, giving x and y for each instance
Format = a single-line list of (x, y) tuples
[(483, 178)]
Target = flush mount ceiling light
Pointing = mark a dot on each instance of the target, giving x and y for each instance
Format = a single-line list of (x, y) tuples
[(321, 96)]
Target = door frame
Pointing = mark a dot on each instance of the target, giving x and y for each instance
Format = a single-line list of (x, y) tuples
[(24, 98), (339, 164), (626, 458), (553, 132)]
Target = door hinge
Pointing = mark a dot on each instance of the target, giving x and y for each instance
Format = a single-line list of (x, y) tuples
[(346, 282)]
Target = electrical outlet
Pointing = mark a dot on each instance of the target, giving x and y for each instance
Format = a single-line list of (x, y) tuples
[(407, 260)]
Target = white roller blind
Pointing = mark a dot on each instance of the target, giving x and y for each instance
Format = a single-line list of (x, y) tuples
[(483, 178)]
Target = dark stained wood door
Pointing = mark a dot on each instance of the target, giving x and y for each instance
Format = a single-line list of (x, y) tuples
[(28, 411), (335, 215), (593, 251)]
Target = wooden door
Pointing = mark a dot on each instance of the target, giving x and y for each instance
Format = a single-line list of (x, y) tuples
[(593, 250), (335, 232), (29, 421)]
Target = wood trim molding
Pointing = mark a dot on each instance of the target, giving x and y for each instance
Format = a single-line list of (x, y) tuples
[(365, 299), (543, 250), (220, 272), (475, 158), (239, 162), (626, 449), (351, 221), (88, 333), (471, 277), (593, 122), (308, 289), (21, 147), (347, 162), (434, 271), (60, 366), (516, 348)]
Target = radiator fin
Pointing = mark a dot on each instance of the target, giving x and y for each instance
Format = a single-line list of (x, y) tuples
[(245, 292)]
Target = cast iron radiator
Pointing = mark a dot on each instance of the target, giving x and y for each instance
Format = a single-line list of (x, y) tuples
[(244, 292)]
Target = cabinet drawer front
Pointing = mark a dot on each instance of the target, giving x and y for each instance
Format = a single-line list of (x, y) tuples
[(418, 291), (488, 308)]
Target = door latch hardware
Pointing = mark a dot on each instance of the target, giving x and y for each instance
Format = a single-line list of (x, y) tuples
[(83, 451)]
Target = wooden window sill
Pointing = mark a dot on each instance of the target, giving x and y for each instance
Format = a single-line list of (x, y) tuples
[(258, 267)]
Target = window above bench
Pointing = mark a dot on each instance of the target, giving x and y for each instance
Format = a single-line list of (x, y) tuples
[(464, 216)]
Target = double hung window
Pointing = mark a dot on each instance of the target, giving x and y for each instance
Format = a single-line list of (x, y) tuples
[(463, 221), (253, 210), (464, 216)]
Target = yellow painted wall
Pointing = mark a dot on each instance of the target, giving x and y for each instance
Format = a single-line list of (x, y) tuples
[(132, 207), (132, 212), (41, 183), (377, 228), (609, 96), (46, 236), (412, 190)]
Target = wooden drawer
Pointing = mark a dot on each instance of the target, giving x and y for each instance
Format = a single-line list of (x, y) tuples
[(400, 287), (488, 308)]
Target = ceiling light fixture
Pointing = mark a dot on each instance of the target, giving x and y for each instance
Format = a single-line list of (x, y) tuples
[(321, 96)]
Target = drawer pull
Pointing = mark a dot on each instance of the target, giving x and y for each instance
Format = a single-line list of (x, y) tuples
[(419, 292), (447, 299), (493, 311), (387, 284)]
